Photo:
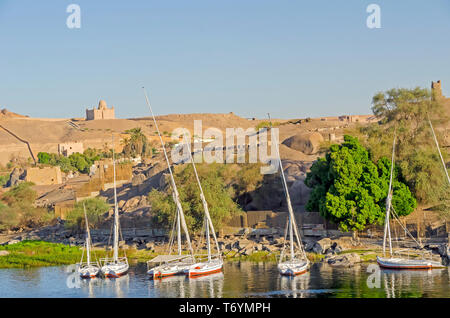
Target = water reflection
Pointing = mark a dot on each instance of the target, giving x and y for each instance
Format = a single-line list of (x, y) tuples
[(295, 287), (413, 283), (239, 279)]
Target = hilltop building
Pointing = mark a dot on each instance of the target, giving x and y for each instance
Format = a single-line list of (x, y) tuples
[(102, 112), (436, 89), (68, 148)]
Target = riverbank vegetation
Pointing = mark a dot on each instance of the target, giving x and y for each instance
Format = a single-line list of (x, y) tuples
[(350, 190), (405, 112), (17, 210), (225, 187), (95, 209)]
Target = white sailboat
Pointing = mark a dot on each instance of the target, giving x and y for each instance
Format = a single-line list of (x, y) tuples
[(169, 265), (116, 266), (211, 263), (88, 269), (397, 259), (297, 262)]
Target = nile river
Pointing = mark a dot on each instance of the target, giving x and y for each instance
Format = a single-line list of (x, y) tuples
[(239, 279)]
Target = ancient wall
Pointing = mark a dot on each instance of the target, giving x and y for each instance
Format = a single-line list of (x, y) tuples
[(68, 148), (63, 208), (44, 176), (104, 178)]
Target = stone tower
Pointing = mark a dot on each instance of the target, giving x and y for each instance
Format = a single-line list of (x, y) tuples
[(436, 89)]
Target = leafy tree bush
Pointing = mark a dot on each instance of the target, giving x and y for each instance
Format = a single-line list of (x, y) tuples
[(406, 111), (17, 210), (218, 195), (95, 209), (44, 158), (137, 144), (350, 190)]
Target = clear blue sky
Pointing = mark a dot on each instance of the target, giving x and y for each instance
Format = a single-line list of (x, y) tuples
[(290, 58)]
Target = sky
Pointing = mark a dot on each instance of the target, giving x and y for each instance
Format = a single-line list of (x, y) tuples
[(291, 58)]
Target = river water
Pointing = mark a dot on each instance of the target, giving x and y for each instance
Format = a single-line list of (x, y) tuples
[(239, 279)]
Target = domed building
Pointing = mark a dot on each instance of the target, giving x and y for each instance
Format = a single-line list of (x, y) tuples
[(102, 112)]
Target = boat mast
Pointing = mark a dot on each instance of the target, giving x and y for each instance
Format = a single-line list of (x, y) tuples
[(208, 243), (116, 212), (292, 224), (88, 238), (439, 150), (179, 232), (209, 224), (172, 180), (387, 228)]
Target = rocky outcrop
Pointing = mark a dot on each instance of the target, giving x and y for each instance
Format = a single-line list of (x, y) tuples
[(15, 177), (321, 246), (343, 260), (308, 143)]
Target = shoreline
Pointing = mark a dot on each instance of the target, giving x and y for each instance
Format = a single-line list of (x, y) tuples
[(33, 253)]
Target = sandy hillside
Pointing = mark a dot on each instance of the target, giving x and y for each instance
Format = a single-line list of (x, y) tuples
[(45, 134)]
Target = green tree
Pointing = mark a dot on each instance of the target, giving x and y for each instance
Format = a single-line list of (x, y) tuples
[(406, 111), (79, 162), (136, 144), (350, 190), (95, 209), (217, 194), (44, 157)]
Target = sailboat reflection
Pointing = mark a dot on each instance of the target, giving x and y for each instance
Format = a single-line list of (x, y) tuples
[(397, 283), (295, 286), (119, 285), (207, 286)]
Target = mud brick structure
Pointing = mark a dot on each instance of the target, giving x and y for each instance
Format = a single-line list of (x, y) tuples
[(102, 112), (44, 176)]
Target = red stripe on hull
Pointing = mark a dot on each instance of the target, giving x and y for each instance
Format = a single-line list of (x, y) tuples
[(114, 276), (162, 275), (295, 274), (205, 273)]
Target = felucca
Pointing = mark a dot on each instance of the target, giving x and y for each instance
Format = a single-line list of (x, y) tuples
[(211, 263), (170, 265), (88, 269), (116, 266), (396, 260), (296, 263)]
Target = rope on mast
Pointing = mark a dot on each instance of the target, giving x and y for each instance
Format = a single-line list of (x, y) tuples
[(205, 204), (288, 198), (387, 228), (174, 186), (439, 150)]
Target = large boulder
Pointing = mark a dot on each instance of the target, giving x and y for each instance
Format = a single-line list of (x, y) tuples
[(322, 245), (299, 193), (14, 177), (138, 179), (308, 143), (343, 260)]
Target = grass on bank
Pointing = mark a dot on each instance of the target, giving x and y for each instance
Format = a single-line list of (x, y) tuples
[(40, 253)]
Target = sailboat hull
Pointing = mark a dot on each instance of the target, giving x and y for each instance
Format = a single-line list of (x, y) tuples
[(205, 268), (88, 271), (115, 270), (167, 270), (400, 263), (293, 268)]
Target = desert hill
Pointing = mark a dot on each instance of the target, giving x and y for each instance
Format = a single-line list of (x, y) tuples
[(45, 134)]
